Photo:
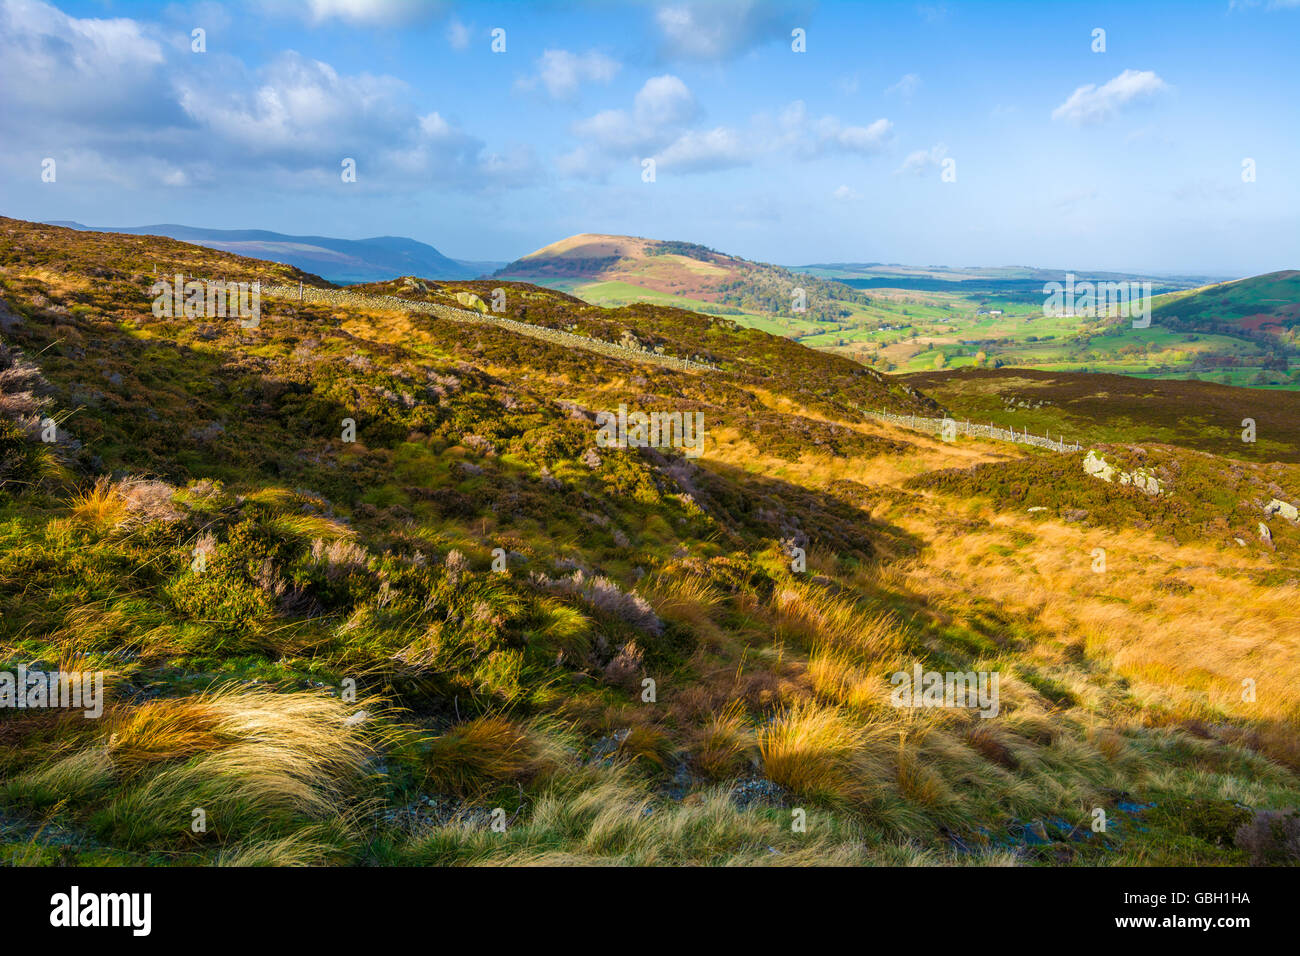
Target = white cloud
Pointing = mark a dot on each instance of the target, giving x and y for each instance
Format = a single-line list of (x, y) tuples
[(923, 160), (561, 73), (719, 148), (582, 163), (721, 29), (384, 13), (665, 99), (434, 126), (805, 136), (906, 87), (847, 194), (661, 125), (1208, 190), (658, 126), (933, 13), (1094, 104), (1266, 4), (660, 112), (857, 139), (65, 67), (303, 115), (299, 106), (457, 34), (121, 102)]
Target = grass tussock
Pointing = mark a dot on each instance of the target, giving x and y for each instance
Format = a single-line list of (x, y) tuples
[(253, 763), (817, 752), (485, 753)]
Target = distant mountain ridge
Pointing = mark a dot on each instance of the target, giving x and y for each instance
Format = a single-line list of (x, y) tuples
[(338, 260)]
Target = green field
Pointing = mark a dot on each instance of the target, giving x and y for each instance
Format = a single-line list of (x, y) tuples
[(908, 331)]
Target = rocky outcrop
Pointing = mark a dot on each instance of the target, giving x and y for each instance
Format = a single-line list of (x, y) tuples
[(1140, 478)]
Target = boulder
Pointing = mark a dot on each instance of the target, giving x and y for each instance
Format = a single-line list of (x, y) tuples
[(471, 301), (1096, 466), (1279, 507)]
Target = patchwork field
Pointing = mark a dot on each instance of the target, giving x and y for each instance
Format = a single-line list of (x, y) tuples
[(903, 320)]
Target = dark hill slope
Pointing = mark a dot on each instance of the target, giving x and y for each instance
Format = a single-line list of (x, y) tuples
[(340, 260), (1088, 406)]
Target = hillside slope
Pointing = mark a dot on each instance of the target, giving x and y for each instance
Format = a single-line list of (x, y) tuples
[(366, 586), (687, 271), (1265, 306)]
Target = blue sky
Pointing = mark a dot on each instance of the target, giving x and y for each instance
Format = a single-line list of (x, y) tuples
[(1128, 159)]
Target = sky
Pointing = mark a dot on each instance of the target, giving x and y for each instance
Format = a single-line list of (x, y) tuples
[(937, 133)]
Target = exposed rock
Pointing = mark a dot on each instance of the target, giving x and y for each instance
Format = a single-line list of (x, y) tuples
[(1141, 478), (758, 792), (8, 319), (608, 746), (1095, 465), (1279, 507), (471, 301)]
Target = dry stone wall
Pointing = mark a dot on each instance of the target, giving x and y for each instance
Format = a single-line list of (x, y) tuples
[(566, 339)]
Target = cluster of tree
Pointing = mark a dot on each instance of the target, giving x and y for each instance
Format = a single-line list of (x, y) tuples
[(692, 250), (560, 266), (772, 289)]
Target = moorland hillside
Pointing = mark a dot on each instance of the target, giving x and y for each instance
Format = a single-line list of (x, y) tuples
[(366, 587)]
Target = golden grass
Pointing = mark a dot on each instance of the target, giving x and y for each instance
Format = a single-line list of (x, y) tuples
[(648, 744), (311, 527), (162, 731), (487, 752), (838, 677), (814, 751), (1189, 652), (688, 599), (101, 507), (253, 760), (816, 619), (725, 747), (590, 819)]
